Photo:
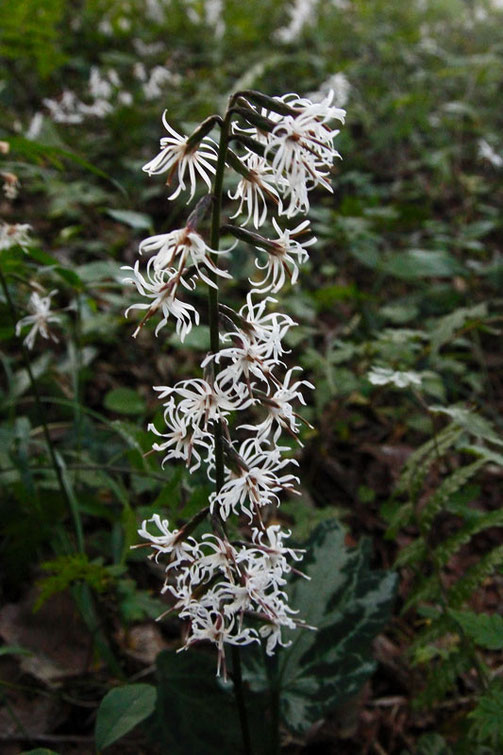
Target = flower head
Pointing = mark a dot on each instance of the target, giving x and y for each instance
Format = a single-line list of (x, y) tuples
[(179, 155), (40, 318), (255, 189), (284, 255), (160, 287), (14, 235), (185, 247)]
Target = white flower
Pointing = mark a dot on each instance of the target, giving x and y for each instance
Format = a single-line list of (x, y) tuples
[(486, 152), (182, 441), (177, 155), (66, 109), (340, 85), (186, 246), (39, 320), (271, 542), (257, 483), (302, 148), (272, 631), (172, 543), (279, 409), (161, 288), (386, 376), (250, 358), (284, 254), (14, 235), (212, 625), (11, 185), (35, 126), (254, 190), (302, 13), (159, 77), (201, 403), (221, 560), (265, 328)]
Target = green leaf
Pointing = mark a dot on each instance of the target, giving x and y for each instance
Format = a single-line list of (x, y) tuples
[(445, 327), (447, 488), (198, 338), (121, 710), (485, 630), (14, 650), (488, 715), (194, 712), (432, 744), (39, 751), (349, 604), (470, 421), (133, 219), (421, 263), (124, 401)]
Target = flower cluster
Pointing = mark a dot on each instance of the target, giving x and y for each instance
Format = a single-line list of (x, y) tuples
[(215, 583), (232, 592)]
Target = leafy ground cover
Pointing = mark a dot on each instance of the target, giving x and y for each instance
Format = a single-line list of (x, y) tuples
[(400, 331)]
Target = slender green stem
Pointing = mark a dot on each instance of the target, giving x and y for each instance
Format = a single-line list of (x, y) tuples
[(217, 522), (274, 710), (237, 679), (43, 422)]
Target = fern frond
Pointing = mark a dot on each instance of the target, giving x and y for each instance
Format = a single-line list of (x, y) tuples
[(445, 551), (400, 518), (446, 489), (442, 678), (488, 716), (418, 464), (412, 553), (429, 590), (464, 587)]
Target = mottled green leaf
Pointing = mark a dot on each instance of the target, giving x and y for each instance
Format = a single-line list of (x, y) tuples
[(349, 605)]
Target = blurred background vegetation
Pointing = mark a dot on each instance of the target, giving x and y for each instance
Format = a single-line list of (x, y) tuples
[(406, 276)]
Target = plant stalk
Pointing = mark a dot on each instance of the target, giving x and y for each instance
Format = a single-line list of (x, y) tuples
[(217, 522)]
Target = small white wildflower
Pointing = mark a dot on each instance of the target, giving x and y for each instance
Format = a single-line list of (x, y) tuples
[(258, 482), (302, 13), (177, 155), (11, 185), (386, 376), (35, 126), (254, 190), (160, 287), (159, 77), (14, 235), (284, 255), (186, 247), (486, 152), (40, 318), (340, 86), (66, 109), (172, 543)]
